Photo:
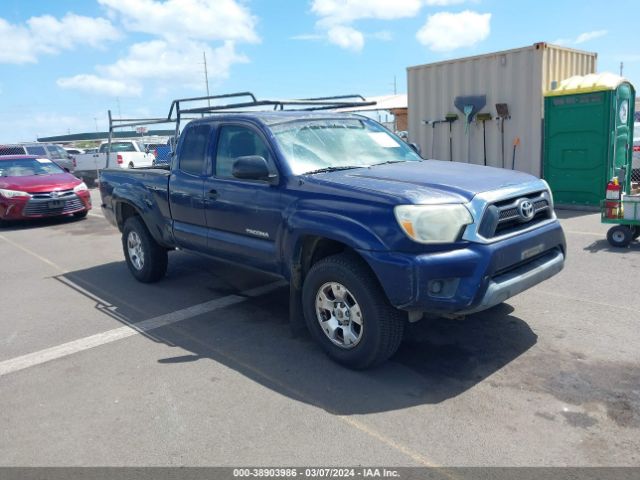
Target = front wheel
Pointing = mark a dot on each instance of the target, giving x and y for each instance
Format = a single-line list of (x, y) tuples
[(146, 259), (348, 313), (636, 232), (620, 236)]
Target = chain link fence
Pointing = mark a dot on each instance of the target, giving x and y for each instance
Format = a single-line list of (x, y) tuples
[(12, 150)]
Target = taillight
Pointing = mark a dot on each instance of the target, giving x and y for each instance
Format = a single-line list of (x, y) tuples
[(155, 153), (636, 148), (119, 159)]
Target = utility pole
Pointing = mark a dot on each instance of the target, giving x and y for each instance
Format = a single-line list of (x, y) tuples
[(621, 68), (206, 76), (395, 89), (95, 119)]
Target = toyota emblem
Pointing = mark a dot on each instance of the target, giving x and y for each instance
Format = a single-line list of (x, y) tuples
[(55, 194), (526, 210)]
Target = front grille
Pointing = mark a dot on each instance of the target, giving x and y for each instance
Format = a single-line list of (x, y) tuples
[(44, 204), (503, 217)]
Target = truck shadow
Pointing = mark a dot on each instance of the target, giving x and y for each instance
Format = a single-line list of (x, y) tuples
[(605, 246), (440, 359), (34, 223)]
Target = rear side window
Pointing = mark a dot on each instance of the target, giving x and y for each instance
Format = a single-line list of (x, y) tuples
[(118, 147), (53, 152), (36, 150), (11, 150), (62, 152), (194, 149)]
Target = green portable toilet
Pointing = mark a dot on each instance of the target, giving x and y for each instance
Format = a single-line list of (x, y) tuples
[(588, 136)]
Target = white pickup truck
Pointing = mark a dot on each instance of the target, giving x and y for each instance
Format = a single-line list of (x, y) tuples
[(124, 154)]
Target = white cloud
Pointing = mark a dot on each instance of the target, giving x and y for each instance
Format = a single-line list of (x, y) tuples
[(95, 84), (196, 19), (346, 37), (48, 35), (336, 18), (307, 36), (182, 30), (443, 3), (337, 12), (446, 31), (582, 38), (157, 63)]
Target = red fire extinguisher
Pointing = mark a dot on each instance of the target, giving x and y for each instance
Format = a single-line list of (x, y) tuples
[(614, 195)]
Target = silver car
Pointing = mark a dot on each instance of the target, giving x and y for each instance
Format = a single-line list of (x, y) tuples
[(51, 151)]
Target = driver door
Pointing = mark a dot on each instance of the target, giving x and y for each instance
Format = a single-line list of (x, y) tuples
[(243, 216)]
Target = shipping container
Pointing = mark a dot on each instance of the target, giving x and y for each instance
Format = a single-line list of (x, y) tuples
[(517, 78)]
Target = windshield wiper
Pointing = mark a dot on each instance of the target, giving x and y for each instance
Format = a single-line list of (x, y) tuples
[(388, 162), (333, 169)]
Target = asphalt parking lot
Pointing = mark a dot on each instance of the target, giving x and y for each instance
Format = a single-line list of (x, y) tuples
[(200, 369)]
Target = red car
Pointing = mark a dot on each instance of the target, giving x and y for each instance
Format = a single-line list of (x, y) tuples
[(34, 187)]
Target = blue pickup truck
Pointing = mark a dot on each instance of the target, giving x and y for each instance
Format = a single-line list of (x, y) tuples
[(368, 234)]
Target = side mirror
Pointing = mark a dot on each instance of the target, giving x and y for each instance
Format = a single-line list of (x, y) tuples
[(66, 169), (416, 148), (251, 167)]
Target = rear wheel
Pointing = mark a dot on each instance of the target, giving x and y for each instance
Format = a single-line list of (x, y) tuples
[(636, 232), (131, 165), (348, 313), (146, 259), (620, 236)]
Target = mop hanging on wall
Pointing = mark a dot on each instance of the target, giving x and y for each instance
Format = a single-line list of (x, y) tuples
[(469, 106)]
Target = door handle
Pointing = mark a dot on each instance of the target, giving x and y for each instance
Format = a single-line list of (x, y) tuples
[(213, 194)]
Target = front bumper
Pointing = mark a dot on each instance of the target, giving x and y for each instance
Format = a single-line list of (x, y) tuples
[(22, 208), (474, 276)]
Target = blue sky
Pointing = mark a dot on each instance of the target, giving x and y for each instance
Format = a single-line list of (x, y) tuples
[(64, 63)]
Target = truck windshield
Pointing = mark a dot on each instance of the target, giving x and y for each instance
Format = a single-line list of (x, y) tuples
[(326, 144)]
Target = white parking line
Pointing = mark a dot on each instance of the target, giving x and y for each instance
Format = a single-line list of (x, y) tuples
[(594, 234), (75, 346)]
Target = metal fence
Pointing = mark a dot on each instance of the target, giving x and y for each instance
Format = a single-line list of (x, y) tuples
[(12, 150)]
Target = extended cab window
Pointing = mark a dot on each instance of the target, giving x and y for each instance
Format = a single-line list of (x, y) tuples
[(237, 141), (194, 149)]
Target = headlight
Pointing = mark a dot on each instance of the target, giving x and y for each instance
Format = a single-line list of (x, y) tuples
[(433, 223), (13, 193), (550, 193), (81, 187)]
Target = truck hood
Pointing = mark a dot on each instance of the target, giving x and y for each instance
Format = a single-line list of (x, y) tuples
[(40, 183), (429, 181)]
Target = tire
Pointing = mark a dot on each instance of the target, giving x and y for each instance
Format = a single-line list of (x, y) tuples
[(620, 236), (636, 233), (360, 345), (82, 214), (131, 165), (146, 259)]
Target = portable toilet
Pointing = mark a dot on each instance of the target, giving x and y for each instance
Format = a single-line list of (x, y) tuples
[(588, 137)]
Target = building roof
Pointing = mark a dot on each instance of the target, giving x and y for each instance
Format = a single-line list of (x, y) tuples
[(383, 102), (76, 137)]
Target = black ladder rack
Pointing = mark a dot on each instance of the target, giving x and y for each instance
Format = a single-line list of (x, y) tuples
[(244, 100)]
